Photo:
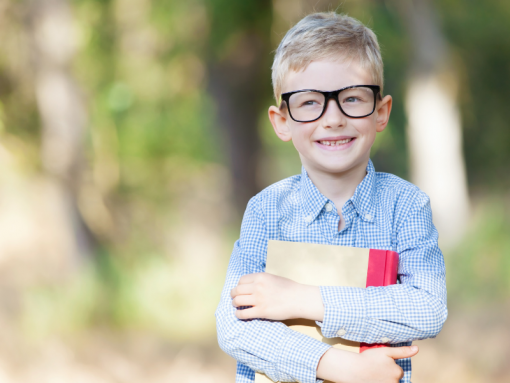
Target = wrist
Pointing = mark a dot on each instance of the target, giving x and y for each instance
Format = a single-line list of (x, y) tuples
[(335, 365), (309, 303)]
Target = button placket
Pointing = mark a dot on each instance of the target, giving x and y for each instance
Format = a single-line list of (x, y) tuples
[(347, 215), (327, 224)]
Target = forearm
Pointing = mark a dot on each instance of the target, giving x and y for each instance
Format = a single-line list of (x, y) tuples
[(270, 347), (309, 304), (284, 356), (375, 365), (393, 314)]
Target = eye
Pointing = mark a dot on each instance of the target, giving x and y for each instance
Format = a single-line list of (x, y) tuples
[(352, 99), (309, 104)]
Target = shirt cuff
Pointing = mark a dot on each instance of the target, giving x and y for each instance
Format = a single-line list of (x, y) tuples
[(300, 356), (344, 312)]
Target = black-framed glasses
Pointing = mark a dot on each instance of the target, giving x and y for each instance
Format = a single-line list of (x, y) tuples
[(307, 105)]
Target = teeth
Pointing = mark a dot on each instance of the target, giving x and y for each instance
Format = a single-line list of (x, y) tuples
[(333, 143)]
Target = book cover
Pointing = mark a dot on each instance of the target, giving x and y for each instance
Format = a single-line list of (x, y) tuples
[(329, 265)]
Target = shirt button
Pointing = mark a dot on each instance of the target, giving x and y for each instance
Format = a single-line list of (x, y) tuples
[(329, 207), (341, 332), (368, 217), (385, 340), (308, 218)]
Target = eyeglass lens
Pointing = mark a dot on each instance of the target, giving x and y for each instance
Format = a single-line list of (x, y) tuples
[(355, 102)]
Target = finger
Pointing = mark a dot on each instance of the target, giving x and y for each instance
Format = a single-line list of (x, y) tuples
[(401, 352), (243, 300), (247, 313), (248, 278), (242, 290), (245, 289)]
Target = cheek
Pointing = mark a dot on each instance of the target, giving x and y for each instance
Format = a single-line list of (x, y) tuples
[(366, 127), (300, 132), (302, 138), (298, 144), (369, 140)]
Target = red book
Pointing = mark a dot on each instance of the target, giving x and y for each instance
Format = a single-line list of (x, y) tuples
[(329, 265), (382, 271)]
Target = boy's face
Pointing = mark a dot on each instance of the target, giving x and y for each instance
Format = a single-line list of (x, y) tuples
[(335, 143)]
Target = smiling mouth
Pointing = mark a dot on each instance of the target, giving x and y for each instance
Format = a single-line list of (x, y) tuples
[(335, 142)]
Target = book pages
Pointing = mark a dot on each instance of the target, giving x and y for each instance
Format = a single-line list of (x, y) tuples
[(319, 265)]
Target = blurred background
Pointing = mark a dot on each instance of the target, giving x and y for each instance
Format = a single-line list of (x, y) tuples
[(133, 132)]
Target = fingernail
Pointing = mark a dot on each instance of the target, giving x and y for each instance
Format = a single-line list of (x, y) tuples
[(414, 348)]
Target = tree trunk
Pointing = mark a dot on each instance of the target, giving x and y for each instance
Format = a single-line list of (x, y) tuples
[(240, 83), (61, 110), (434, 124)]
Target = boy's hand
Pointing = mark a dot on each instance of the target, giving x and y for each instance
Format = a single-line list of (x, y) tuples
[(372, 366), (277, 298)]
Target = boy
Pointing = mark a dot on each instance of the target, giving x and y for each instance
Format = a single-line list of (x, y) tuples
[(327, 78)]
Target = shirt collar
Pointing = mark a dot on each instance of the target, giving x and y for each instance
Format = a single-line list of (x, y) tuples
[(363, 199)]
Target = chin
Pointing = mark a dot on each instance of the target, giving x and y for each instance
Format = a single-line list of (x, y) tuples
[(335, 169)]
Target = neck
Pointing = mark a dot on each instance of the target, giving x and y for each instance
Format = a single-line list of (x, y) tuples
[(338, 187)]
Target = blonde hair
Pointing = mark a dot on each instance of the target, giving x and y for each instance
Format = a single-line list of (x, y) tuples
[(322, 36)]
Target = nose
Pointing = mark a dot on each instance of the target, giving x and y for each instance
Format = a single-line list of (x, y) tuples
[(333, 117)]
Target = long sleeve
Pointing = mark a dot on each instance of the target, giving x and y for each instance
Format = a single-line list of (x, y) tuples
[(414, 309), (385, 212), (270, 347)]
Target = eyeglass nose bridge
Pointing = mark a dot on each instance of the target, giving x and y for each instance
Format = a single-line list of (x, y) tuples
[(332, 95)]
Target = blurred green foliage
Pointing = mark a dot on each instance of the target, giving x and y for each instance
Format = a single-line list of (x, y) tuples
[(150, 295), (231, 18), (479, 36), (143, 68), (479, 267)]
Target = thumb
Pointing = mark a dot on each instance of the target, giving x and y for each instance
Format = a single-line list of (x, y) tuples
[(401, 352)]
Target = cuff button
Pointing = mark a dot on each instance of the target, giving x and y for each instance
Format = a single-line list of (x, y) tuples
[(341, 332)]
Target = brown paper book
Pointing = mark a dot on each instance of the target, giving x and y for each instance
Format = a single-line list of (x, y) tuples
[(328, 265)]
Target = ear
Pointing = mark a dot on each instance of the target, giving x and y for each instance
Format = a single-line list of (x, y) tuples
[(278, 118), (383, 113)]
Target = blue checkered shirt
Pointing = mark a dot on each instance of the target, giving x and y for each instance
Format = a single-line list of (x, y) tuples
[(384, 213)]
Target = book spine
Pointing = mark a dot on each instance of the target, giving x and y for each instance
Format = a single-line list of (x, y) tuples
[(391, 269), (376, 268), (382, 271)]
